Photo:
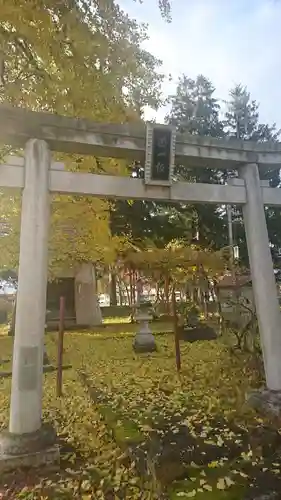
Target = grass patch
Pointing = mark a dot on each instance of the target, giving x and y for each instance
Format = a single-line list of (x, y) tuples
[(132, 427), (116, 326)]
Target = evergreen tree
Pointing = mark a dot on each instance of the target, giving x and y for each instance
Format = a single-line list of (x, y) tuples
[(150, 220), (72, 59), (242, 118), (242, 122), (196, 111)]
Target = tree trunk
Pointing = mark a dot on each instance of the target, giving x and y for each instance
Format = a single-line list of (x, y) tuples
[(96, 305), (113, 292), (118, 282), (127, 289), (131, 288), (176, 331), (135, 278), (166, 285), (157, 292), (13, 319)]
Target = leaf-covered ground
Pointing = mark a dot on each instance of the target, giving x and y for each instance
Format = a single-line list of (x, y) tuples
[(131, 428)]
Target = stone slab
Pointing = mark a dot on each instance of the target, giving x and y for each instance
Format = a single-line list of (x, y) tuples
[(266, 401), (44, 457)]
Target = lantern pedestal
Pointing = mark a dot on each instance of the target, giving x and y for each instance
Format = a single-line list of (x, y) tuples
[(144, 340)]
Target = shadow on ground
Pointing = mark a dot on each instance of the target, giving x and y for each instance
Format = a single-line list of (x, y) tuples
[(206, 455)]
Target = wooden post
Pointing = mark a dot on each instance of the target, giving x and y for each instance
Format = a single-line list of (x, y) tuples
[(131, 285), (176, 334), (60, 347), (166, 288), (13, 319)]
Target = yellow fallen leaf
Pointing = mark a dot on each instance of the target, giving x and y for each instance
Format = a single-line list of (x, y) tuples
[(220, 442), (191, 494), (213, 465), (242, 474), (146, 428), (228, 481), (193, 464), (207, 487), (221, 484)]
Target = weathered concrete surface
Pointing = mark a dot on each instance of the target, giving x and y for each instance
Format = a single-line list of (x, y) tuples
[(12, 171), (127, 140), (88, 311), (35, 459), (26, 393), (144, 342), (266, 401), (13, 444), (28, 449), (263, 279), (108, 186)]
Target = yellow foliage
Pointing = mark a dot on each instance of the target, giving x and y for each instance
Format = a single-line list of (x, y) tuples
[(73, 59), (127, 397), (10, 217), (177, 261)]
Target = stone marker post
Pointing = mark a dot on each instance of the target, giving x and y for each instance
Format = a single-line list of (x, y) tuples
[(27, 440), (144, 340), (264, 286)]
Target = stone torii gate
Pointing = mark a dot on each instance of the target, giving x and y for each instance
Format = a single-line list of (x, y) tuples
[(26, 441)]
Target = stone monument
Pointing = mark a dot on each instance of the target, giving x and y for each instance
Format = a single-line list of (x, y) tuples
[(144, 340)]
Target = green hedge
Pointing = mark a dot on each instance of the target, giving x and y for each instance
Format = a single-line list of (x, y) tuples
[(116, 311)]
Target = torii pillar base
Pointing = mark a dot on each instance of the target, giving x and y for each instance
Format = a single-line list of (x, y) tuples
[(28, 450), (266, 402)]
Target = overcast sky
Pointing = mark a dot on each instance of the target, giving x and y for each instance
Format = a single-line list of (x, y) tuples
[(229, 41)]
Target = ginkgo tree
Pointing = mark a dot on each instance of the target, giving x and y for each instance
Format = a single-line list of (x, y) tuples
[(75, 59), (165, 7), (177, 265)]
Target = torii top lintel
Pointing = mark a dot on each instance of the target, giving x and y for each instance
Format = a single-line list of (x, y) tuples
[(127, 140)]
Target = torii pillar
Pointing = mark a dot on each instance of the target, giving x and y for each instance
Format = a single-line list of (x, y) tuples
[(264, 288), (27, 442)]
